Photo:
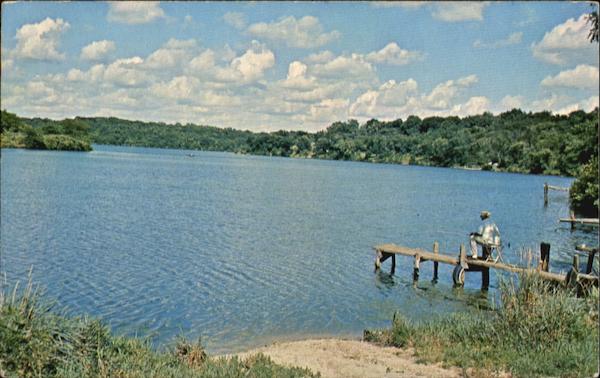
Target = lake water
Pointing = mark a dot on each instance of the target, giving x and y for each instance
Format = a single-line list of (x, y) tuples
[(243, 250)]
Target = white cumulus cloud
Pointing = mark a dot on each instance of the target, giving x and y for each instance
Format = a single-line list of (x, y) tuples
[(127, 72), (582, 76), (173, 53), (306, 32), (475, 105), (393, 54), (97, 50), (242, 69), (566, 43), (354, 66), (40, 41), (254, 62), (586, 105), (442, 95), (509, 102), (134, 12), (456, 11)]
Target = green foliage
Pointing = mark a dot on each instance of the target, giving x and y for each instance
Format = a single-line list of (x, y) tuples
[(9, 122), (66, 143), (584, 191), (33, 139), (514, 141), (34, 342), (537, 330), (67, 135)]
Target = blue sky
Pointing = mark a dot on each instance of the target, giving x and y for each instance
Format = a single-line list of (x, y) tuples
[(284, 65)]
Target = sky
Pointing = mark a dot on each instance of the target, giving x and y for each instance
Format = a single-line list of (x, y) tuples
[(266, 66)]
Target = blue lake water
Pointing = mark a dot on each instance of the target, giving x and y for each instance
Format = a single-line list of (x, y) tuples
[(243, 250)]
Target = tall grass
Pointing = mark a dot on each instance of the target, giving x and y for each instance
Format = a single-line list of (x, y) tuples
[(37, 342), (537, 329)]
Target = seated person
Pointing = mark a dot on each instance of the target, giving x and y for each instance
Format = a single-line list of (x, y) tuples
[(487, 236)]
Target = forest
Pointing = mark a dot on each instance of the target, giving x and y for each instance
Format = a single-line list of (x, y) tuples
[(65, 135), (513, 141)]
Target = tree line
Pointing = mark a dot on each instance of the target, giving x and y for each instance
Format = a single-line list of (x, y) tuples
[(68, 134), (514, 141)]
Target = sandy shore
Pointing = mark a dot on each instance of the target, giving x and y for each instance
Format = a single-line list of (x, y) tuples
[(351, 358)]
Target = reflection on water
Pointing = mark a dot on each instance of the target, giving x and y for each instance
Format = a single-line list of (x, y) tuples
[(241, 250)]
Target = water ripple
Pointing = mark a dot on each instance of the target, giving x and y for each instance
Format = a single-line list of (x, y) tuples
[(242, 250)]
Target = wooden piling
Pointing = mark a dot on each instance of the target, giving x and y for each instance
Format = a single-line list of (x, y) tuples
[(572, 217), (591, 254), (590, 263), (576, 263), (436, 251), (485, 278), (545, 194), (416, 267), (393, 264), (545, 257), (462, 257)]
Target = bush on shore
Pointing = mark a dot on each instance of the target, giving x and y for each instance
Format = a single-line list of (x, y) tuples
[(35, 342), (584, 191), (536, 330)]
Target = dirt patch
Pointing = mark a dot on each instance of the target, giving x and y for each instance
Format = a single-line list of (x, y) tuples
[(351, 358)]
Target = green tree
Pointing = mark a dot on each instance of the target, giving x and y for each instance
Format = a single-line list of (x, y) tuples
[(33, 139), (9, 122), (584, 192)]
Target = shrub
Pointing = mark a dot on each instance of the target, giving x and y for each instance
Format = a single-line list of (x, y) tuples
[(584, 192), (35, 342), (538, 329)]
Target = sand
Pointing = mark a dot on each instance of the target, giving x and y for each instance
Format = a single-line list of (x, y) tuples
[(351, 358)]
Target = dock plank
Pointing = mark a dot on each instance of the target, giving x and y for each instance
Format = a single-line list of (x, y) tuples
[(448, 259)]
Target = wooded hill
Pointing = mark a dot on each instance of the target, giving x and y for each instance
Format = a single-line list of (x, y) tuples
[(513, 141)]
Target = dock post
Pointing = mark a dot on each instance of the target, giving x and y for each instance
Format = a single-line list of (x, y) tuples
[(485, 279), (462, 260), (575, 270), (572, 215), (545, 257), (416, 268), (485, 271), (545, 194), (436, 250), (377, 260), (393, 265), (590, 262)]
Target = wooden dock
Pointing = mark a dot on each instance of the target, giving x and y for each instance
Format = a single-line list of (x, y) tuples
[(584, 221), (552, 187), (591, 253), (464, 263), (574, 221)]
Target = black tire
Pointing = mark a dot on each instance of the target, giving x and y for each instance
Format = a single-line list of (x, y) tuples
[(458, 276)]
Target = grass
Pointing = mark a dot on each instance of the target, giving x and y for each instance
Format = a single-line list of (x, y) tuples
[(37, 342), (538, 329)]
